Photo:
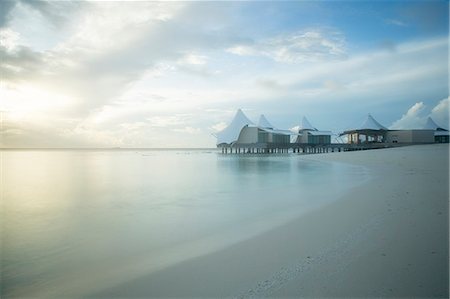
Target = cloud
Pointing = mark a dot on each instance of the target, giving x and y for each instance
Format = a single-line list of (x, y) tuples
[(20, 63), (416, 116), (193, 59), (8, 39), (301, 46), (388, 45), (440, 113), (412, 119), (270, 83), (219, 126), (44, 131), (195, 64), (333, 85), (150, 73), (188, 130), (6, 8), (361, 75), (396, 22), (91, 64), (113, 45), (56, 13), (169, 121), (155, 109)]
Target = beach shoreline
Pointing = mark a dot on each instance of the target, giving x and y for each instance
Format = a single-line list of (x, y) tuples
[(385, 238)]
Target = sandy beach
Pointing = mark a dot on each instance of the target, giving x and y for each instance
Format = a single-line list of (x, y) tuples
[(385, 238)]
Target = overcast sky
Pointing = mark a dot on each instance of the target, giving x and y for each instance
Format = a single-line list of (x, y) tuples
[(168, 74)]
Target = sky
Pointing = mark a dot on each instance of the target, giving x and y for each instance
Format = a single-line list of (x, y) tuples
[(171, 74)]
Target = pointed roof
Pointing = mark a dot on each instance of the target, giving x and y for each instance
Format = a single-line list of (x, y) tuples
[(264, 123), (371, 124), (231, 132), (306, 125), (431, 125)]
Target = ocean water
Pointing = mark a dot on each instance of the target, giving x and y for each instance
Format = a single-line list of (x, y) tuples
[(76, 221)]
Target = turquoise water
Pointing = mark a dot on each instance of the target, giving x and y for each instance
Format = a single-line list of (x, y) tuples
[(73, 222)]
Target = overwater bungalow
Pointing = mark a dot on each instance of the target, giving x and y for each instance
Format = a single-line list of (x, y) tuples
[(230, 134), (308, 134), (243, 134), (370, 131)]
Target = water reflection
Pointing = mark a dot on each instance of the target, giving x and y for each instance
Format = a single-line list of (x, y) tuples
[(72, 219), (253, 164)]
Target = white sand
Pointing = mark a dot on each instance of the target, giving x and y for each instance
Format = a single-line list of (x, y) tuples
[(386, 238)]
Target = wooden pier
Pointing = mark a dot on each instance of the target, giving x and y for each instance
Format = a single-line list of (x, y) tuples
[(303, 148)]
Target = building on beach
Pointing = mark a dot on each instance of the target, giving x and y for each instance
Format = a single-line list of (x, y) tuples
[(441, 135), (308, 134), (370, 131)]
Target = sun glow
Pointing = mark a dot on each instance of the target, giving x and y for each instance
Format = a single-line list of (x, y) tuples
[(26, 100)]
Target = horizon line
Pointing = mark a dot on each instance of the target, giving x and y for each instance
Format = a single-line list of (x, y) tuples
[(107, 148)]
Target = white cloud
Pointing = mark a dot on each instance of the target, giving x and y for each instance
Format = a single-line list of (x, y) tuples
[(416, 116), (193, 59), (195, 64), (243, 50), (412, 119), (9, 39), (110, 46), (169, 121), (188, 130), (149, 74), (45, 131), (333, 85), (306, 45), (396, 22), (107, 26), (365, 74), (440, 113), (219, 126)]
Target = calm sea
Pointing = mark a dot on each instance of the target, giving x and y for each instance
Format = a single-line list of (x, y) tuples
[(76, 221)]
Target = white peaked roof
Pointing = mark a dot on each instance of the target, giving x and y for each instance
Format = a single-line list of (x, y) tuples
[(431, 125), (306, 125), (371, 124), (264, 123), (231, 133)]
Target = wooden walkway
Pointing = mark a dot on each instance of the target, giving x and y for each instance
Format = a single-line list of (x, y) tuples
[(306, 148)]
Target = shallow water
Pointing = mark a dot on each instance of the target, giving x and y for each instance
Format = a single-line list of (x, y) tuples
[(76, 221)]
